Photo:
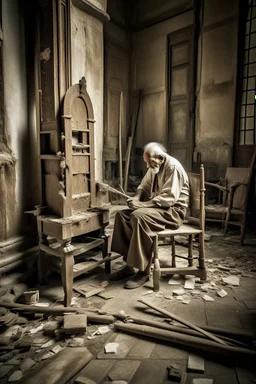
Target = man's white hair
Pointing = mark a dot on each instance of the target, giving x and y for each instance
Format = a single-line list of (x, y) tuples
[(154, 144)]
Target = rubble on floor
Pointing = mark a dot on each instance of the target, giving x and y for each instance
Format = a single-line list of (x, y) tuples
[(90, 343)]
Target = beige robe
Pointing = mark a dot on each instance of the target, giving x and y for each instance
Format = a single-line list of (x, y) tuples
[(133, 229)]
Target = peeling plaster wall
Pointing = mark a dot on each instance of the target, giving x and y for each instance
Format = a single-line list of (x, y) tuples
[(87, 61), (217, 66), (16, 119), (149, 75)]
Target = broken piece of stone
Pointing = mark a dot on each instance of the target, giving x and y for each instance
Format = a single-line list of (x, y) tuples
[(75, 323), (175, 280), (179, 292), (174, 373), (16, 376), (195, 363), (4, 369), (222, 293), (189, 282), (232, 280), (111, 347), (84, 380), (27, 364), (76, 342), (202, 381), (208, 298)]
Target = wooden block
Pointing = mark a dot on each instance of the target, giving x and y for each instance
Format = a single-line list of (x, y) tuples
[(174, 374), (84, 380), (59, 368), (88, 290), (195, 363), (123, 370), (75, 323)]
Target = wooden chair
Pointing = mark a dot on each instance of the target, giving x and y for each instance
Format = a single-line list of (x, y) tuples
[(234, 194), (193, 226)]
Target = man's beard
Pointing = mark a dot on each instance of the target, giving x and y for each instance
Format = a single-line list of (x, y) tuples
[(155, 170)]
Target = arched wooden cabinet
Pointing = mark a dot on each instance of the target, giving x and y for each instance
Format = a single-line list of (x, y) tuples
[(70, 210)]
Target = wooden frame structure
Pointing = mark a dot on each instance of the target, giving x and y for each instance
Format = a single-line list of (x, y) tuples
[(193, 227)]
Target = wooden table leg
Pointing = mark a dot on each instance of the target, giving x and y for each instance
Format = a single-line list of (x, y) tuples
[(105, 252), (42, 260), (67, 271)]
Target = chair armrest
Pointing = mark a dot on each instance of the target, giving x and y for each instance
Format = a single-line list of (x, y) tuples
[(237, 184), (220, 187)]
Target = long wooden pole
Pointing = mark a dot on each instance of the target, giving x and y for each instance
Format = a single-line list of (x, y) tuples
[(173, 328), (174, 317), (106, 319), (187, 340), (120, 140)]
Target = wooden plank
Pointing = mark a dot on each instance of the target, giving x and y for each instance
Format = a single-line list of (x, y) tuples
[(60, 368)]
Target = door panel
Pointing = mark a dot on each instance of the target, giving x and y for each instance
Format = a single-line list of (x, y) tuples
[(181, 89)]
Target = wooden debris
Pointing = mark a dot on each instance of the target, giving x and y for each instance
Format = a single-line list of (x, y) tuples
[(189, 341), (92, 317), (111, 347), (16, 376), (84, 380), (195, 363), (75, 323), (88, 290), (174, 317), (59, 368), (232, 280), (174, 374)]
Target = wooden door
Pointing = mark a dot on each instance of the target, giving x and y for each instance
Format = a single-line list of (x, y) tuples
[(181, 91)]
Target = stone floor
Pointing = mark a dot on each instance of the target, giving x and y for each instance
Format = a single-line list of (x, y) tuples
[(140, 359)]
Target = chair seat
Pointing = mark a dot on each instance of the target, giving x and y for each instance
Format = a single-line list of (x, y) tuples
[(184, 229), (218, 209)]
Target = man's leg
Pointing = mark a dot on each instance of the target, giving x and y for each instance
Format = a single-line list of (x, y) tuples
[(120, 242), (145, 222)]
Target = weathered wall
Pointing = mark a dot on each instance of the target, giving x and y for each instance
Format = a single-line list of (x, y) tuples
[(149, 75), (217, 66), (117, 76), (20, 127), (87, 61)]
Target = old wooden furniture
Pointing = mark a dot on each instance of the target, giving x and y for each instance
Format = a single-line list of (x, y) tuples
[(71, 222), (235, 190), (194, 226)]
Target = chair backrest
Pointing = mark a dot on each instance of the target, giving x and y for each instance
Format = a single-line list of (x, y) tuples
[(240, 175), (196, 213)]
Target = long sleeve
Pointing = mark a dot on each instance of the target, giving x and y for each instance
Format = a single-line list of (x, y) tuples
[(171, 190)]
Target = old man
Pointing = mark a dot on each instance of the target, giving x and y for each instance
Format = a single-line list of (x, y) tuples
[(161, 200)]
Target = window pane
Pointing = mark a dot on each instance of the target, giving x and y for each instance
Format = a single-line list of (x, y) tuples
[(241, 128), (250, 97), (253, 40), (254, 12), (246, 44), (247, 27), (241, 138), (249, 138), (249, 123), (250, 110), (243, 97), (252, 69), (253, 26), (251, 83), (242, 111), (252, 54), (245, 73)]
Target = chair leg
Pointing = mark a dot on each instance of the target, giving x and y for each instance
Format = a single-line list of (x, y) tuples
[(156, 269), (190, 250), (173, 252)]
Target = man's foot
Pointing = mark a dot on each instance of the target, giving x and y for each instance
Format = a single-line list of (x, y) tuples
[(122, 273), (137, 280)]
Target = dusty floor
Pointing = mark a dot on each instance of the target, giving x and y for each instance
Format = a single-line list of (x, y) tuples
[(140, 359)]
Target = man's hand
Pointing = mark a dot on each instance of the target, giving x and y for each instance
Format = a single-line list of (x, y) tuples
[(135, 203)]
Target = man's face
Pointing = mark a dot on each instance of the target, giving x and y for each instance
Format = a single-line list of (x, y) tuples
[(154, 161)]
